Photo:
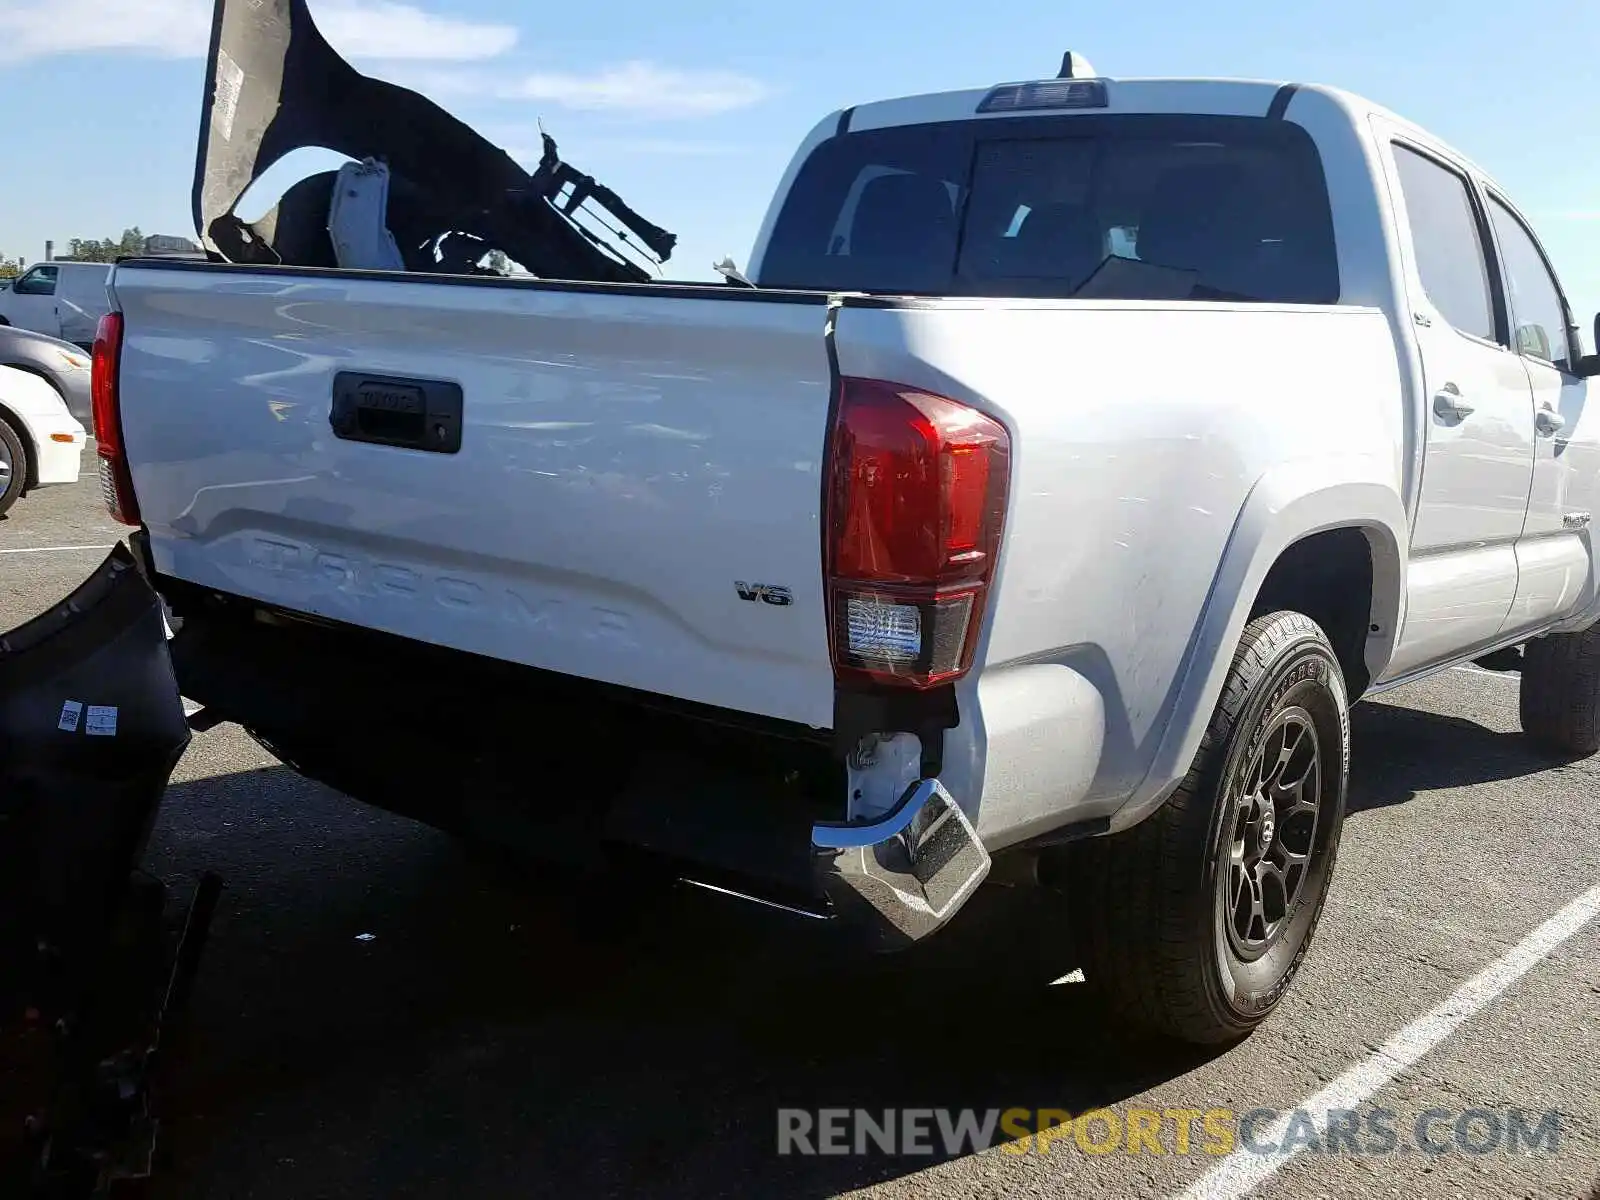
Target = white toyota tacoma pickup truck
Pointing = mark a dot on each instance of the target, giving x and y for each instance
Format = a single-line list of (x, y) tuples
[(1084, 449)]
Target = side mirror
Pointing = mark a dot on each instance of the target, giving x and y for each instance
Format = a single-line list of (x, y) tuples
[(1532, 340)]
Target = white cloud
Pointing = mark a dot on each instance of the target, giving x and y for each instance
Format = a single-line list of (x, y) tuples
[(383, 29), (639, 89), (630, 89), (387, 29), (1578, 214), (42, 28)]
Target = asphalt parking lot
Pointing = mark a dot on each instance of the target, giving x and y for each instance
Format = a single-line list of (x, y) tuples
[(381, 1015)]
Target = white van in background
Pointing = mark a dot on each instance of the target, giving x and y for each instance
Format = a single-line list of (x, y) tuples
[(63, 299)]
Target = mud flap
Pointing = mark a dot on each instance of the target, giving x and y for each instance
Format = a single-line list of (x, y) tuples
[(91, 727)]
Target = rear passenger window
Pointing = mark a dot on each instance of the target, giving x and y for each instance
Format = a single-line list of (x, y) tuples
[(1445, 238)]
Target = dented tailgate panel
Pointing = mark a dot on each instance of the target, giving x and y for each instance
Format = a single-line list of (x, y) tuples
[(636, 492)]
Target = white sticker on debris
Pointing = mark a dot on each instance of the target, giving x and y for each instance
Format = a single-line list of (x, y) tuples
[(102, 720), (71, 714), (230, 83)]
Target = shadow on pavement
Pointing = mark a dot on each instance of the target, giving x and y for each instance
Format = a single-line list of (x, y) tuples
[(495, 1038), (506, 1034), (1398, 752)]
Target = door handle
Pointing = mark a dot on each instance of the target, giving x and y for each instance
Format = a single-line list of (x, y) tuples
[(1447, 403), (1549, 422)]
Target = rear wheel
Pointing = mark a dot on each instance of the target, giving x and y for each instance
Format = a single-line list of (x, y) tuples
[(1194, 922), (13, 467), (1560, 700)]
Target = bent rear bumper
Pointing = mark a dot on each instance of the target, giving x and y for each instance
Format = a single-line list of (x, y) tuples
[(703, 795), (902, 877)]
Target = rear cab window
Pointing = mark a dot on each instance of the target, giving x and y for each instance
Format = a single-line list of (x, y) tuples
[(1107, 206)]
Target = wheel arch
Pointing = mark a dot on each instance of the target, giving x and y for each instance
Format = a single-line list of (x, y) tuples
[(1343, 578), (1297, 513), (38, 372)]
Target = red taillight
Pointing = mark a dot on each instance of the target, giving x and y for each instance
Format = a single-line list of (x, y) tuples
[(916, 497), (116, 482)]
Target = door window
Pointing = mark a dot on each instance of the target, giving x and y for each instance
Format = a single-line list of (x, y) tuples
[(1446, 239), (41, 281), (1537, 314)]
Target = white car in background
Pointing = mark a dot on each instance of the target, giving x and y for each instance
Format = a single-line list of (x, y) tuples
[(62, 365), (41, 443)]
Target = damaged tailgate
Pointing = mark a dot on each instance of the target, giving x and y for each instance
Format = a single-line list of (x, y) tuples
[(619, 484)]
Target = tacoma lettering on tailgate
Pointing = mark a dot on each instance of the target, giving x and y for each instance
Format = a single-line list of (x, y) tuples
[(353, 575)]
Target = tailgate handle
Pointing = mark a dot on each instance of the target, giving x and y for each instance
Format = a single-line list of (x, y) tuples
[(386, 410)]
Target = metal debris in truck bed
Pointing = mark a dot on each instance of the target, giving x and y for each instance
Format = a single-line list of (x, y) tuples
[(274, 85)]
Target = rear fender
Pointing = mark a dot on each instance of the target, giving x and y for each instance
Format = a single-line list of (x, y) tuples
[(1289, 503)]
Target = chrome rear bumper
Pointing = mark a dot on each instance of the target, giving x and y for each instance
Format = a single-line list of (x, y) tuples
[(901, 877)]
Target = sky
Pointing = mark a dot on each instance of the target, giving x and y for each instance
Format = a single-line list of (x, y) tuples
[(691, 109)]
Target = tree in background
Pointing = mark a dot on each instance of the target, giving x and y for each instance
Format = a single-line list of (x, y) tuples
[(9, 269), (94, 250)]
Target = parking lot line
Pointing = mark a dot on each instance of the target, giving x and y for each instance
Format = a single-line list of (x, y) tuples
[(1239, 1173), (55, 549)]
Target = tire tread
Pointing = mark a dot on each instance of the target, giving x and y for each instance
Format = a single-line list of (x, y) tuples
[(1560, 692), (1135, 889)]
